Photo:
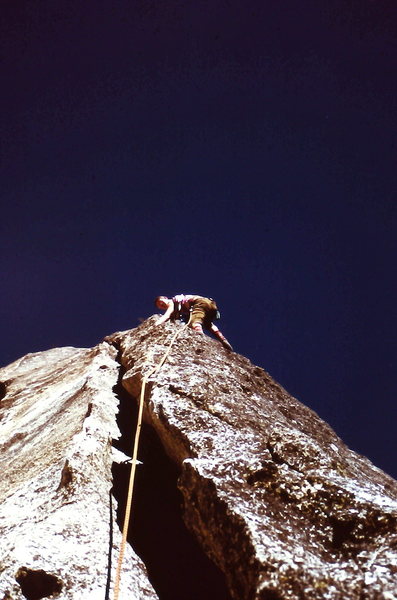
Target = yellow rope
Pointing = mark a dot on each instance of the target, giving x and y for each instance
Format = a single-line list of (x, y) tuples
[(134, 462)]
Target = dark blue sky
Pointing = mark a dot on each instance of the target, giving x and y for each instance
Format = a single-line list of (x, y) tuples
[(245, 151)]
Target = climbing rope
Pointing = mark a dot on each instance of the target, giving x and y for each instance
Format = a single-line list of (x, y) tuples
[(154, 371)]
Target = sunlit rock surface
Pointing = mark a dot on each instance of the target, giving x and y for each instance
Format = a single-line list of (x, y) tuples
[(277, 500), (274, 497), (58, 534)]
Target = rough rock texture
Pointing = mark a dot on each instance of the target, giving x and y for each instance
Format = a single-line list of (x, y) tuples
[(275, 498), (57, 421)]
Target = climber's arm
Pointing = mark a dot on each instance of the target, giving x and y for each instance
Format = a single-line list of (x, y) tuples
[(167, 314)]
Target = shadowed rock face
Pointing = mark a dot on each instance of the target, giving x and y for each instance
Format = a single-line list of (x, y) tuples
[(274, 497)]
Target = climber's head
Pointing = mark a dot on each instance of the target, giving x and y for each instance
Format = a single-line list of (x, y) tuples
[(162, 302)]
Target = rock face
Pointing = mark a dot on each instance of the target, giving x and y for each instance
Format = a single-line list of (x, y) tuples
[(58, 531), (274, 497)]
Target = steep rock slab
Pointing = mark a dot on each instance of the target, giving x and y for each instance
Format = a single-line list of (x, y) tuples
[(57, 420), (276, 499)]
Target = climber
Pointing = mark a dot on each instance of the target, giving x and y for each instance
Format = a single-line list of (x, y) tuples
[(202, 313)]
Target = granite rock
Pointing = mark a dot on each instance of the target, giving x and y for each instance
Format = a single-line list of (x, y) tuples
[(58, 530), (277, 501)]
